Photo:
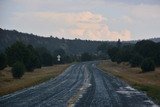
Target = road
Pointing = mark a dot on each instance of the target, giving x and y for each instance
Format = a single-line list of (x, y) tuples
[(81, 85)]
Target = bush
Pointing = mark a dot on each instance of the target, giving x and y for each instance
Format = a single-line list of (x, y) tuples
[(86, 57), (136, 60), (113, 52), (148, 65), (47, 59), (18, 70), (17, 52), (34, 60), (3, 61), (26, 54), (146, 48)]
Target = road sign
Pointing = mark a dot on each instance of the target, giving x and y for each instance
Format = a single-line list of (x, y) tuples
[(58, 58)]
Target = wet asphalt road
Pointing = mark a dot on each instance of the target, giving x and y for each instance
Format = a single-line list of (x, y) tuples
[(81, 85)]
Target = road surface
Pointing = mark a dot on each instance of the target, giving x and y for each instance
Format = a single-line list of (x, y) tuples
[(81, 85)]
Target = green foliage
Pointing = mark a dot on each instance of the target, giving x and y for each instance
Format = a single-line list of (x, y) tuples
[(148, 65), (122, 54), (135, 54), (152, 91), (126, 53), (113, 52), (103, 48), (67, 59), (3, 61), (17, 52), (157, 56), (63, 55), (86, 57), (34, 59), (103, 51), (59, 52), (47, 59), (26, 54), (18, 70), (136, 60), (146, 48)]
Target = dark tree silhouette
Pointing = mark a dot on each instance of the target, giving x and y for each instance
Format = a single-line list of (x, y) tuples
[(3, 61), (86, 57), (18, 70), (148, 65), (47, 59)]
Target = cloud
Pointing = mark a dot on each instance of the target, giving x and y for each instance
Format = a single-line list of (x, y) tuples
[(83, 25), (137, 2), (86, 19), (147, 12)]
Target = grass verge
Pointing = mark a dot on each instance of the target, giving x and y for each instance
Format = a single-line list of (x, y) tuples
[(148, 82), (8, 84)]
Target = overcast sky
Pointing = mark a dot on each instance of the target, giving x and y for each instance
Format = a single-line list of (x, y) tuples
[(84, 19)]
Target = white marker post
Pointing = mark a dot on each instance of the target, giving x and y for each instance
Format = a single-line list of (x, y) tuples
[(58, 58)]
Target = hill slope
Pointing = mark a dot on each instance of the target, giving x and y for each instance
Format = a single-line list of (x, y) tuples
[(77, 46)]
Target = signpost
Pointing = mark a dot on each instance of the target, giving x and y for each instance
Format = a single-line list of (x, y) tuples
[(58, 58)]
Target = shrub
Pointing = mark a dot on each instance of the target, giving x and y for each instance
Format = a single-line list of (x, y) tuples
[(47, 59), (24, 53), (17, 52), (113, 52), (136, 60), (18, 70), (148, 65), (146, 48), (3, 61), (86, 57), (34, 59)]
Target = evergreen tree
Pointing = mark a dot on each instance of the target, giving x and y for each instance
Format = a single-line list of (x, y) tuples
[(136, 60), (17, 52), (148, 65), (18, 70), (47, 59), (86, 57), (3, 61)]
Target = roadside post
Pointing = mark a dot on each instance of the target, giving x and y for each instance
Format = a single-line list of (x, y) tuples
[(58, 58)]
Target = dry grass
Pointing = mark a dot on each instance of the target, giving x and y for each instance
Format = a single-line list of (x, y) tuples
[(149, 82), (9, 85)]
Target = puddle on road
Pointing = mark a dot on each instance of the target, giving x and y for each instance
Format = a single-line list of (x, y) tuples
[(129, 92)]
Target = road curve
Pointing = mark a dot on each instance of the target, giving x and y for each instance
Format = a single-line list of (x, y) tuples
[(81, 85)]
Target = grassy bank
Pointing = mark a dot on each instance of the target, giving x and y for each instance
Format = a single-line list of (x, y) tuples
[(9, 85), (148, 82)]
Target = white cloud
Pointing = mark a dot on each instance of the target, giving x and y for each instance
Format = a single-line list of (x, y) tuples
[(88, 19), (84, 25)]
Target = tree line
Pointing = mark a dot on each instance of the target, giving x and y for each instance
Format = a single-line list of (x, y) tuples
[(25, 58), (144, 54)]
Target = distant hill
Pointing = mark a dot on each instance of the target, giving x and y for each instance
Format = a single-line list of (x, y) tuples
[(152, 39), (76, 46), (155, 40)]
